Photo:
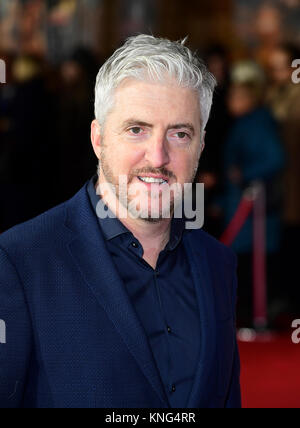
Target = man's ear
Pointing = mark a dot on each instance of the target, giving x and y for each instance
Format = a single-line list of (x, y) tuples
[(203, 141), (96, 137)]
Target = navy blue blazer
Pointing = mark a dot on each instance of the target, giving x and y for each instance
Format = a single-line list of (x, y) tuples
[(73, 338)]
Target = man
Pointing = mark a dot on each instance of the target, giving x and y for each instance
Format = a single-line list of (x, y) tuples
[(110, 302)]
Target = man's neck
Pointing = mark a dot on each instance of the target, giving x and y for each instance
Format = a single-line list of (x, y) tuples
[(153, 236)]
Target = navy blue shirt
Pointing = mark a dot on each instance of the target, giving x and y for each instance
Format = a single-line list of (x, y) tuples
[(164, 300)]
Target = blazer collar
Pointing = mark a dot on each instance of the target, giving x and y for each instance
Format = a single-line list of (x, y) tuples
[(199, 264)]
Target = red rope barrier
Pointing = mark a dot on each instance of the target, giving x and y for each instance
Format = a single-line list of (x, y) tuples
[(260, 316), (254, 199), (238, 220)]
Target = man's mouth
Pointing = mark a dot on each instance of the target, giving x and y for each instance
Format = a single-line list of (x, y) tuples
[(150, 180)]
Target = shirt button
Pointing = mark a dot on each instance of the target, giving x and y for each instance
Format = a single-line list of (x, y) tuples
[(134, 244), (173, 389), (169, 329)]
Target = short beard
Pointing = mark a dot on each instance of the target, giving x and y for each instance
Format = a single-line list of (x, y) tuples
[(103, 166)]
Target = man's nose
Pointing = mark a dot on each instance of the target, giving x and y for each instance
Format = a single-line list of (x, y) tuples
[(157, 152)]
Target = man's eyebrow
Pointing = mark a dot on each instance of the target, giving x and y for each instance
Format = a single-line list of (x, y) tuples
[(183, 125), (136, 122)]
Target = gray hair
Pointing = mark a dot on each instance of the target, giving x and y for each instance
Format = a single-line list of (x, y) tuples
[(146, 57)]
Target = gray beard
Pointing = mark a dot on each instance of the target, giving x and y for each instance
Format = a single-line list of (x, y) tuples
[(110, 178)]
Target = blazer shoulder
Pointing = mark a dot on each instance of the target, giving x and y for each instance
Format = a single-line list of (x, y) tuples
[(43, 228), (46, 230)]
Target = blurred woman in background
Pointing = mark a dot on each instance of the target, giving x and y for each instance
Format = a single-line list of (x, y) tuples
[(253, 152)]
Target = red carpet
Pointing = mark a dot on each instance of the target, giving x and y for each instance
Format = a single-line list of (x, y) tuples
[(270, 374)]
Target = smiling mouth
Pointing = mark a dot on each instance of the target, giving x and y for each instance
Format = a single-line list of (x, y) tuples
[(152, 180)]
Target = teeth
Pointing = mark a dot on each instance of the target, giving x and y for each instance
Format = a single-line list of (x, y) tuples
[(152, 180)]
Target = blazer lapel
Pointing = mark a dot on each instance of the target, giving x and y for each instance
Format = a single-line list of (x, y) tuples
[(204, 291), (94, 262)]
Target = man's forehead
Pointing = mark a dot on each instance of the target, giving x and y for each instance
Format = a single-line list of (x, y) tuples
[(152, 98), (155, 90)]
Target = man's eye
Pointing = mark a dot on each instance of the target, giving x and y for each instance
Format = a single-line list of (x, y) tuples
[(136, 130), (182, 135)]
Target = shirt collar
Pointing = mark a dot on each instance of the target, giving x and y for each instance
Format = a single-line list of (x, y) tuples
[(177, 229), (110, 225), (113, 227)]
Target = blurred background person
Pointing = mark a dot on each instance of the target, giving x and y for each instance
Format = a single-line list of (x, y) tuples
[(74, 115), (269, 31), (211, 162), (253, 152), (25, 154), (283, 97)]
